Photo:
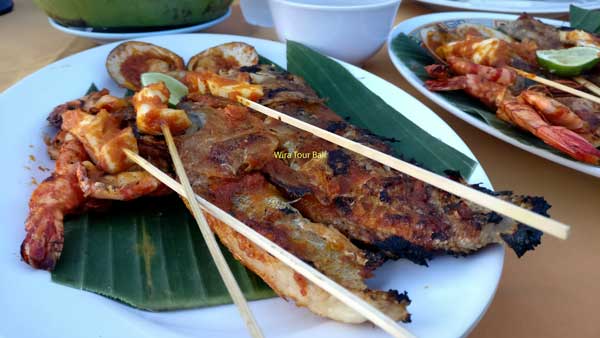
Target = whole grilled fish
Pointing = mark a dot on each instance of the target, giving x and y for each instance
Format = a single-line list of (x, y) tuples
[(221, 156)]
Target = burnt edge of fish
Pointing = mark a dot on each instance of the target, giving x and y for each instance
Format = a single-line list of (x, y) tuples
[(396, 247), (525, 238), (402, 298)]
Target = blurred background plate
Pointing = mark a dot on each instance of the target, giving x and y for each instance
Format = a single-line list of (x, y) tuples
[(413, 26), (104, 37), (553, 8)]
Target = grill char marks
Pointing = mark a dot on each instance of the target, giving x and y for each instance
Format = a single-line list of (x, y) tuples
[(524, 238), (338, 161)]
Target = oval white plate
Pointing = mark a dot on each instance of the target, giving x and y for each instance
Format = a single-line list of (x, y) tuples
[(101, 37), (449, 297), (413, 25), (539, 7)]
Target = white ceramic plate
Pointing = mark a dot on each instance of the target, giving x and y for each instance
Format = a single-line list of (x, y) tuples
[(412, 27), (101, 37), (538, 7), (449, 297)]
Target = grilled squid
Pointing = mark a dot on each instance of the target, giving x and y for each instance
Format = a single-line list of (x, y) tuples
[(151, 108)]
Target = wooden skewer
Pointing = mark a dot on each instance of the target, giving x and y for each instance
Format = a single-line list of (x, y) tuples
[(342, 294), (588, 84), (556, 85), (226, 274), (517, 213)]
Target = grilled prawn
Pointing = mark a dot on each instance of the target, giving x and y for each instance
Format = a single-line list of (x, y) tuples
[(54, 198), (530, 110), (89, 171)]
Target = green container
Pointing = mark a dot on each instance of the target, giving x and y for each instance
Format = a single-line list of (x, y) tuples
[(133, 15)]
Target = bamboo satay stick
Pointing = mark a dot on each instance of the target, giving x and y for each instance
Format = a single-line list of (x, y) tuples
[(556, 85), (517, 213), (342, 294), (588, 84), (224, 270)]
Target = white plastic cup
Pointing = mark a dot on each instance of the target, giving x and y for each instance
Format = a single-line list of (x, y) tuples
[(350, 30)]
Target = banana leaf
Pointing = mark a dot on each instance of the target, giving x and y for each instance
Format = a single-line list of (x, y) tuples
[(149, 254), (409, 50), (352, 100), (585, 19)]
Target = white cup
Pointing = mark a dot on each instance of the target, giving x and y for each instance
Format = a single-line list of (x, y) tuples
[(350, 30)]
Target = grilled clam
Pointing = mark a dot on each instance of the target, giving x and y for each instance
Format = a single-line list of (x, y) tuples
[(131, 59), (223, 57)]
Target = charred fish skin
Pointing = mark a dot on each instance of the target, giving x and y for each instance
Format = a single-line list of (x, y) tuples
[(524, 238), (231, 179), (436, 235), (368, 202)]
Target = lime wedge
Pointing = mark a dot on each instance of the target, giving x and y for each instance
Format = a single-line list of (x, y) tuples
[(570, 61), (176, 88)]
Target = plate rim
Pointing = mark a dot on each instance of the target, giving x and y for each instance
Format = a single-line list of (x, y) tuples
[(408, 26), (112, 36), (388, 86)]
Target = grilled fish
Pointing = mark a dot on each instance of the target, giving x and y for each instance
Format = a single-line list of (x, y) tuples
[(369, 202), (221, 155)]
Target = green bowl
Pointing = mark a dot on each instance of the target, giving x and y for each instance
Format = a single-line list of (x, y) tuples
[(133, 15)]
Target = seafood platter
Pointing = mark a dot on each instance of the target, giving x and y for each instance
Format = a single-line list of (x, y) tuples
[(311, 205)]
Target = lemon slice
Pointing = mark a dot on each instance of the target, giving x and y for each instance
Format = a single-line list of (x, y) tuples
[(176, 88), (570, 61)]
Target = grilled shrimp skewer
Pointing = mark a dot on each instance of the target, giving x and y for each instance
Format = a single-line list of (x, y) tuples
[(90, 164), (530, 111), (151, 108), (67, 192), (89, 171), (556, 112), (515, 111), (500, 75)]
